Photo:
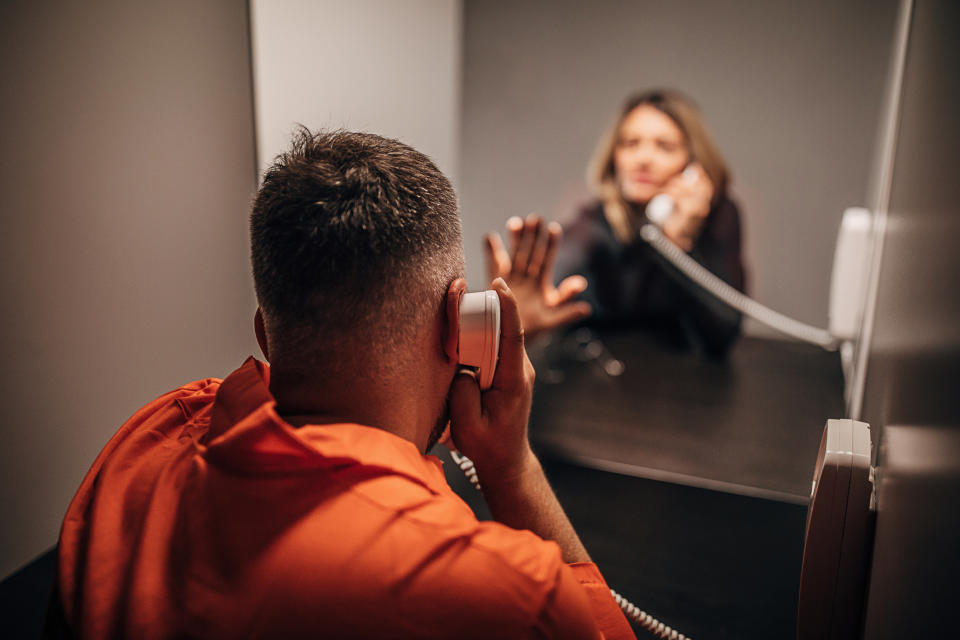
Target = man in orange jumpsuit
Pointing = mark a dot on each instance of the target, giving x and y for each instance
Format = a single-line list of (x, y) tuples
[(296, 498)]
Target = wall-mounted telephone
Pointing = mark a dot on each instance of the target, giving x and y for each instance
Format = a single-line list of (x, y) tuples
[(833, 577), (479, 344), (479, 347)]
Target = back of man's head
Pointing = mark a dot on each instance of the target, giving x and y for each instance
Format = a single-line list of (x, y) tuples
[(355, 239)]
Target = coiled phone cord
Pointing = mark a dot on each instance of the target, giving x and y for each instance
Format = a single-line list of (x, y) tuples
[(714, 285), (646, 620), (633, 612)]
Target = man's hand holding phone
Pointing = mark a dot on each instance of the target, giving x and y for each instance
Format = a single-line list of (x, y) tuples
[(490, 427)]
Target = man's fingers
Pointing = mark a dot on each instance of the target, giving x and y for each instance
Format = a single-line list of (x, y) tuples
[(446, 439), (498, 260), (510, 368), (465, 408)]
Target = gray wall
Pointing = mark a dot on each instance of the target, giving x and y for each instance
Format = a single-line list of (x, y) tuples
[(913, 369), (791, 90), (126, 171), (387, 67)]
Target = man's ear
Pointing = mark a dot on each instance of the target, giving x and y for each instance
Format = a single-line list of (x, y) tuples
[(260, 329), (451, 325)]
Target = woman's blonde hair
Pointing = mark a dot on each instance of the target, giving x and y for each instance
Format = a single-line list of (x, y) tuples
[(601, 173)]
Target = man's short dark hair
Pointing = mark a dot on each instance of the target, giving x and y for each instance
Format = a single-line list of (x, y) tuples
[(353, 232)]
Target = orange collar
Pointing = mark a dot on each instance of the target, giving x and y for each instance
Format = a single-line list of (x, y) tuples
[(248, 436)]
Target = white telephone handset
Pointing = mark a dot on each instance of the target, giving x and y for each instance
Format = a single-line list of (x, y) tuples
[(480, 334)]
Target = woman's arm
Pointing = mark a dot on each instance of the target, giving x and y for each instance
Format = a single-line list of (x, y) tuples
[(718, 248)]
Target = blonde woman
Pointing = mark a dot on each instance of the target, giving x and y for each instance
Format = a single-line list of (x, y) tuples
[(657, 145)]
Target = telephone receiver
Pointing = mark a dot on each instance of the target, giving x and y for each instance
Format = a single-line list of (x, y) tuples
[(661, 206), (479, 340)]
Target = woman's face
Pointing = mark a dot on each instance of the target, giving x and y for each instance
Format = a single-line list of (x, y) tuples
[(650, 150)]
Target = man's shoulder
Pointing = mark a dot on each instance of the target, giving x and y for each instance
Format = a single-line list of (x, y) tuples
[(435, 565), (205, 387), (164, 415), (193, 396), (398, 527), (178, 405)]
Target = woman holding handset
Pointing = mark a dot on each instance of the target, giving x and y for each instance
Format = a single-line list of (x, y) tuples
[(658, 146)]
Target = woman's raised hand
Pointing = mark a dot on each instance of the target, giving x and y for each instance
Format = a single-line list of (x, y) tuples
[(528, 270)]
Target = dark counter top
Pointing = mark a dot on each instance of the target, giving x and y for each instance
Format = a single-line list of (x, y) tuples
[(749, 425)]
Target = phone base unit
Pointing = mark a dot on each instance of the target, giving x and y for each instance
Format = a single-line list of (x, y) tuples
[(839, 535)]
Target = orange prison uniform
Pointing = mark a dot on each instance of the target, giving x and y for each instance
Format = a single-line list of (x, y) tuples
[(208, 516)]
